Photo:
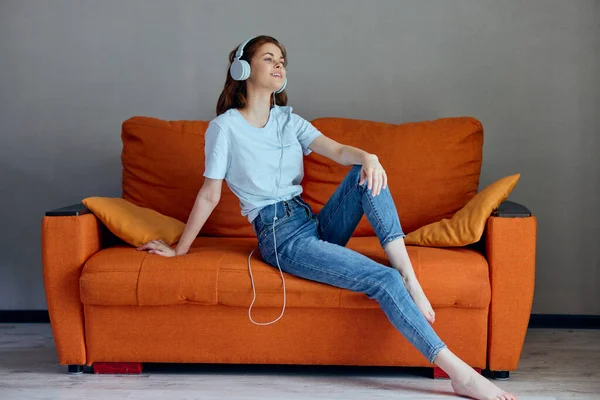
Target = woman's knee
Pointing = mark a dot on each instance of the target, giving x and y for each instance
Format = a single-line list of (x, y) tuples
[(355, 172), (394, 279), (386, 280)]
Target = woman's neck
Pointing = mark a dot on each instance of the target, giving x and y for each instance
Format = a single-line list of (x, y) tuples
[(257, 109)]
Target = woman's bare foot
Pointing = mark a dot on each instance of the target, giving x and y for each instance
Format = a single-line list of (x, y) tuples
[(478, 387), (416, 292), (466, 381)]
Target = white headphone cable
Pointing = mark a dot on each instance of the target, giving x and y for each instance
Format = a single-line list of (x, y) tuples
[(274, 244)]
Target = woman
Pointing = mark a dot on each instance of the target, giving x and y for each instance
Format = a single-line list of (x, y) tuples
[(258, 148)]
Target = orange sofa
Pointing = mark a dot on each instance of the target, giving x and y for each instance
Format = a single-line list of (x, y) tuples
[(110, 303)]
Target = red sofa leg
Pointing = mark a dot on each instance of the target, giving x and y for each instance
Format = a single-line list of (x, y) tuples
[(439, 373), (117, 368)]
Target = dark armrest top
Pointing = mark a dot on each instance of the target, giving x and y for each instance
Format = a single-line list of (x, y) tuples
[(72, 210), (510, 209)]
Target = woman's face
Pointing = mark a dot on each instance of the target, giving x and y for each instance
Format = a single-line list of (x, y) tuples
[(267, 67)]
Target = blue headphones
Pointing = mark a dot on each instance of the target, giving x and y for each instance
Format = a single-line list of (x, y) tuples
[(240, 69)]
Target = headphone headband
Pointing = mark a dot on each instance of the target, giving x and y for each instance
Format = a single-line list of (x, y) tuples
[(240, 49)]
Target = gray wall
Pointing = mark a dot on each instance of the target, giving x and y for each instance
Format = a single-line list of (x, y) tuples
[(72, 71)]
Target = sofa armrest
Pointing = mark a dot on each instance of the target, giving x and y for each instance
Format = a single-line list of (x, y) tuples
[(510, 249), (70, 236)]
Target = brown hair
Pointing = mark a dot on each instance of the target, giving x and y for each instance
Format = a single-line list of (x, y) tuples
[(234, 92)]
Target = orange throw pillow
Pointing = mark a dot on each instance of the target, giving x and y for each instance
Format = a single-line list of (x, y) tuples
[(134, 224), (467, 225)]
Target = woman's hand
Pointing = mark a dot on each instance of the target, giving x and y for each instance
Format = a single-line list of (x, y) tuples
[(374, 173), (158, 247)]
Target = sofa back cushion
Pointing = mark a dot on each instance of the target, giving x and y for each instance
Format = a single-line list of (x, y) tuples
[(432, 166), (163, 166)]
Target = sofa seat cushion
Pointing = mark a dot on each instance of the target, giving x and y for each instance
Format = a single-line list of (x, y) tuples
[(215, 272)]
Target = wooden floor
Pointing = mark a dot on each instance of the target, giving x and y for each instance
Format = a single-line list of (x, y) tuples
[(556, 364)]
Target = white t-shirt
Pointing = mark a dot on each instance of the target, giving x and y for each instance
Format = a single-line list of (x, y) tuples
[(248, 157)]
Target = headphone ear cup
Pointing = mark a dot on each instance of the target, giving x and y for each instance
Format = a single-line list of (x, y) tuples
[(282, 88), (239, 70)]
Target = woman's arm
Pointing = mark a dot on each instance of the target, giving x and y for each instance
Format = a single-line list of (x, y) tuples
[(371, 171), (341, 154), (207, 199)]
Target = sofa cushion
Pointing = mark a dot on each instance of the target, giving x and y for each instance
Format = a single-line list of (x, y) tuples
[(215, 271), (467, 225), (133, 224), (163, 163), (432, 167)]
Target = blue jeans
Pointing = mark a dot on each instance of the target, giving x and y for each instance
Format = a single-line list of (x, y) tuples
[(313, 247)]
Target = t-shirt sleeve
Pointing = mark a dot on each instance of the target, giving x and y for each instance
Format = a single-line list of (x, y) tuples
[(306, 132), (216, 152)]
